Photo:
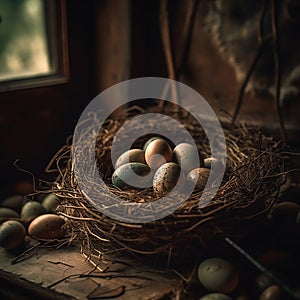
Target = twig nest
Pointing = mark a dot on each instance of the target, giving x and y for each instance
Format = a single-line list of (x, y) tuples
[(254, 168)]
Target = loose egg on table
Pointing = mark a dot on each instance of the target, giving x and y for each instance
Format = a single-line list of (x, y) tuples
[(122, 177), (50, 203), (215, 296), (31, 210), (158, 153), (285, 211), (198, 178), (186, 156), (47, 227), (273, 292), (166, 177), (8, 213), (132, 155), (218, 275), (13, 202), (12, 234)]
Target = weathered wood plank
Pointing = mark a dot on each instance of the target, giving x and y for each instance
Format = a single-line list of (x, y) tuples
[(66, 271)]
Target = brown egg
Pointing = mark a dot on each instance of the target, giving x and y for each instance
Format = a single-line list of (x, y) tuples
[(158, 153), (198, 178), (273, 292), (12, 234), (47, 227), (132, 155), (151, 140), (13, 202)]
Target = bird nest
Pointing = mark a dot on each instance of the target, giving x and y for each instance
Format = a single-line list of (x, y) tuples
[(249, 189)]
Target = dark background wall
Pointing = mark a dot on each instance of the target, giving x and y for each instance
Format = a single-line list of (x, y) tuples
[(110, 41)]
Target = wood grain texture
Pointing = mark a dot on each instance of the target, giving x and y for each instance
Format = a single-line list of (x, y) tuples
[(66, 272)]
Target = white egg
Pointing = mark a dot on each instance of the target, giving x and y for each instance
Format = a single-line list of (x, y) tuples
[(187, 156)]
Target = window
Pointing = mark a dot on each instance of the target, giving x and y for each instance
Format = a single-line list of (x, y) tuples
[(33, 48)]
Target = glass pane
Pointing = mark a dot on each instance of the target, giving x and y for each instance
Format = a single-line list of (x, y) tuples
[(24, 50)]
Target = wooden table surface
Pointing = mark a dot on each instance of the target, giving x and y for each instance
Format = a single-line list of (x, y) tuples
[(66, 273)]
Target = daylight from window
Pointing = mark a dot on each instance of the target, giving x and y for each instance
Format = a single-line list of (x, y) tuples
[(23, 40)]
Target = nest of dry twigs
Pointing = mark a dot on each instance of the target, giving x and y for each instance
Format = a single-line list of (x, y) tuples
[(249, 189)]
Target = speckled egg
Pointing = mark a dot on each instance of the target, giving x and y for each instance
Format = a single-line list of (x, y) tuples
[(121, 176), (50, 203), (12, 234), (215, 296), (211, 161), (14, 202), (186, 156), (198, 178), (218, 275), (166, 177), (132, 155), (158, 153), (8, 213), (31, 210), (47, 227), (273, 292)]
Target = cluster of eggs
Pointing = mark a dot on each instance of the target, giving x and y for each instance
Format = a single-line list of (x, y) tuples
[(175, 168), (20, 217), (221, 278)]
